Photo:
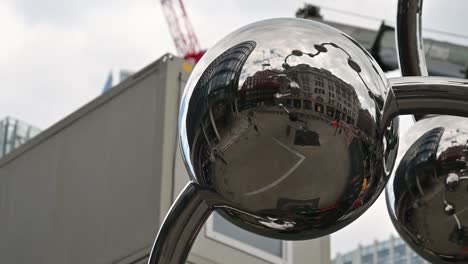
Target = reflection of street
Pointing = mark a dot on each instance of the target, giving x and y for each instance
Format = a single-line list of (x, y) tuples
[(286, 174), (231, 134), (269, 157)]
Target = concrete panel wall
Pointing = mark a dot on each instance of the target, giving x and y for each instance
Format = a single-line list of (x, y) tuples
[(88, 189)]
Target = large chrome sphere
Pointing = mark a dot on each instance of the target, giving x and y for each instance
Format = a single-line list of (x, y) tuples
[(282, 120), (427, 196)]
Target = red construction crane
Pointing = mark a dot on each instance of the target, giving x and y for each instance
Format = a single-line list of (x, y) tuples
[(182, 33)]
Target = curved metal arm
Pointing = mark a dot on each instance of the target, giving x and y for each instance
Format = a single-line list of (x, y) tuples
[(409, 38), (410, 48), (181, 225), (426, 95)]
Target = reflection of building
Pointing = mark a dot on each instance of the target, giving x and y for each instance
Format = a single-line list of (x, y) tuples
[(14, 133), (392, 251), (452, 159), (261, 87), (98, 184), (365, 122), (424, 150), (419, 158), (217, 89), (429, 189), (453, 153), (322, 92)]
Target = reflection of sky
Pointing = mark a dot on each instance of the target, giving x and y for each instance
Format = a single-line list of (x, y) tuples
[(452, 124), (453, 137), (276, 38)]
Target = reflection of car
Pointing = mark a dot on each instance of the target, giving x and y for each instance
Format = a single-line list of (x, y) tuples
[(246, 105), (305, 137)]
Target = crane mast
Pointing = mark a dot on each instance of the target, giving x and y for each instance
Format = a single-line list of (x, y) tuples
[(183, 35)]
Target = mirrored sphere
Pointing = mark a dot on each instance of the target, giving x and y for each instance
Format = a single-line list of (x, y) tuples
[(281, 120), (427, 195)]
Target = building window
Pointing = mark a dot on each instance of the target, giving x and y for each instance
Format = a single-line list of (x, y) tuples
[(367, 259), (273, 250), (383, 252), (383, 256), (297, 103), (348, 259), (399, 254)]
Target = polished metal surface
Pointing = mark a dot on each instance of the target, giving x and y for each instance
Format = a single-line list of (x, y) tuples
[(288, 129), (409, 38), (281, 119), (424, 196), (410, 44), (182, 224), (427, 195), (427, 95)]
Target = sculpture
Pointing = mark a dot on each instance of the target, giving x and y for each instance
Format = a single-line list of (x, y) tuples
[(288, 129), (427, 195)]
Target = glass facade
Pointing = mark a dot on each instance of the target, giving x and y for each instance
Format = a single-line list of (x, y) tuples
[(348, 258), (399, 252), (14, 133), (383, 252), (392, 251), (367, 255)]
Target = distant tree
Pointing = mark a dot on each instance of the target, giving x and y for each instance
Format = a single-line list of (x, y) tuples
[(309, 12)]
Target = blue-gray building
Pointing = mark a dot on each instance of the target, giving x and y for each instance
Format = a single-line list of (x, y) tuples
[(391, 251), (14, 133)]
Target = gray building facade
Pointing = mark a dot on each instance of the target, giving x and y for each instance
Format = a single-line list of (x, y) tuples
[(95, 187)]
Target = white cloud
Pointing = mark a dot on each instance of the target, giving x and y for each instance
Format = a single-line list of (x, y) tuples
[(49, 70)]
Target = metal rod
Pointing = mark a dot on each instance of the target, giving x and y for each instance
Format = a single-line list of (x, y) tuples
[(410, 46), (426, 95), (409, 38), (181, 225)]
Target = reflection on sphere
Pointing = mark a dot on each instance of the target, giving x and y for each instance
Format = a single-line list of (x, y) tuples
[(427, 196), (281, 119)]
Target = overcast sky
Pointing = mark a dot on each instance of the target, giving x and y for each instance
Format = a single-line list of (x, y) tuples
[(55, 55)]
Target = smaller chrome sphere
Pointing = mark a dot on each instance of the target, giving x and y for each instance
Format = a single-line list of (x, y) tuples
[(282, 119), (431, 173)]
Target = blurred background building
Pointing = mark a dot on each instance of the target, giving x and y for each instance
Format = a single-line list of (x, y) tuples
[(14, 133), (122, 76), (442, 58), (391, 251)]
